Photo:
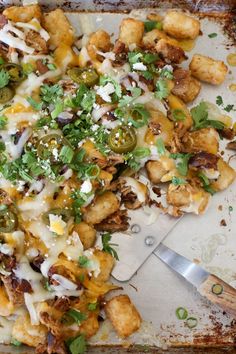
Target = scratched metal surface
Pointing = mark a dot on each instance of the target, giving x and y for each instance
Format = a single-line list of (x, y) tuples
[(155, 290)]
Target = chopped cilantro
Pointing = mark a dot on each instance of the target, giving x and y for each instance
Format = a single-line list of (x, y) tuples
[(150, 25), (105, 79), (77, 345), (162, 90), (166, 73), (79, 200), (160, 146), (59, 107), (51, 94), (88, 101), (200, 118), (36, 105), (229, 107), (133, 158), (2, 61), (182, 164), (3, 122), (4, 78), (149, 58), (219, 100), (177, 181), (212, 35), (92, 306), (2, 146), (51, 66), (15, 342), (74, 315), (84, 262), (107, 246), (134, 57), (128, 100), (206, 183), (66, 154)]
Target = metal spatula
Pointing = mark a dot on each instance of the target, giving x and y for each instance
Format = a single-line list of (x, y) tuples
[(135, 247), (208, 285)]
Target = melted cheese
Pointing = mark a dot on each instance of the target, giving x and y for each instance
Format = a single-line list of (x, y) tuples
[(15, 150), (33, 82), (14, 42), (57, 225), (137, 188)]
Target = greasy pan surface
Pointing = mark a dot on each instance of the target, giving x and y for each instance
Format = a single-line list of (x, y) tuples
[(228, 20)]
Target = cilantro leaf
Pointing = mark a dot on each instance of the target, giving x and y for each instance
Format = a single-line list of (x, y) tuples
[(229, 107), (66, 154), (150, 25), (36, 105), (74, 315), (212, 35), (149, 58), (4, 78), (107, 246), (160, 146), (219, 100), (206, 183), (177, 181), (134, 57), (127, 100), (92, 306), (77, 345), (15, 342), (133, 158), (51, 66), (3, 122), (182, 164), (84, 262), (200, 118), (167, 72), (162, 90), (59, 107), (50, 94), (105, 79)]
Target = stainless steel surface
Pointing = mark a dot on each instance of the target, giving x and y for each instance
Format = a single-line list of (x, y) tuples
[(135, 247), (193, 273)]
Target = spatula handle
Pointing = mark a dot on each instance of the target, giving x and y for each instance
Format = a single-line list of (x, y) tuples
[(219, 293)]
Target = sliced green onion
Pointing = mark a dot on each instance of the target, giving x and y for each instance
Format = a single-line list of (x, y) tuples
[(141, 152), (181, 313), (160, 146), (178, 115), (217, 289), (192, 322)]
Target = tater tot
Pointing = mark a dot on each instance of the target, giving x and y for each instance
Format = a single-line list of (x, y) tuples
[(169, 52), (59, 28), (208, 69), (186, 87), (131, 31), (101, 40), (87, 234), (151, 38), (181, 26), (23, 13), (26, 333), (206, 139), (226, 177), (103, 206), (123, 315), (107, 262)]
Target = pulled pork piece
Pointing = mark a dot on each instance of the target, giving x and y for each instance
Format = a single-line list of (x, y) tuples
[(34, 40), (231, 145), (227, 133), (5, 198), (53, 345), (186, 87), (16, 288), (204, 160), (3, 21), (170, 53), (118, 221), (50, 317), (133, 193), (41, 67)]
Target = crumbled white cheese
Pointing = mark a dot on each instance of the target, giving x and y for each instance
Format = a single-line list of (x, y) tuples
[(86, 186), (105, 91), (6, 249), (139, 66)]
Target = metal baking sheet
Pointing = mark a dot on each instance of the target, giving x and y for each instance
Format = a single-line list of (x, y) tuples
[(155, 290)]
